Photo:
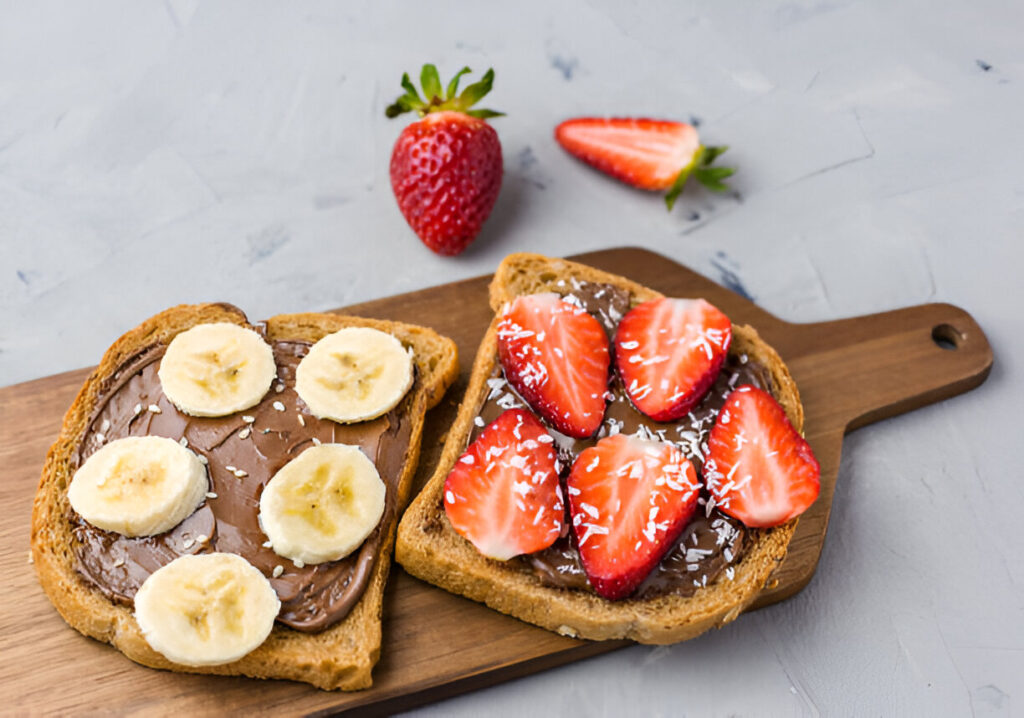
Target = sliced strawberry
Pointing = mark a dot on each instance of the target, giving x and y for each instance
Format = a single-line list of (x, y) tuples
[(649, 154), (556, 356), (669, 352), (759, 469), (630, 499), (503, 493)]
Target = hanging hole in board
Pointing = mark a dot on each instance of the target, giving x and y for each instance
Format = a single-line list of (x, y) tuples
[(947, 336)]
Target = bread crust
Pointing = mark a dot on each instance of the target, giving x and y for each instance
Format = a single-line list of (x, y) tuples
[(340, 657), (429, 548)]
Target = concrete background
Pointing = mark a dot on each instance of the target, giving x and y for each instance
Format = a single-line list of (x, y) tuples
[(153, 153)]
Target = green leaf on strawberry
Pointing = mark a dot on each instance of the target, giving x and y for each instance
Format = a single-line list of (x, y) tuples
[(453, 86), (430, 81), (700, 169), (406, 103), (434, 100)]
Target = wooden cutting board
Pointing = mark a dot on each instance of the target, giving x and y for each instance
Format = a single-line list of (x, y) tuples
[(850, 372)]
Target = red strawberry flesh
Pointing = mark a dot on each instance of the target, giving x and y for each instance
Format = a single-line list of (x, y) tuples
[(669, 352), (503, 494), (630, 499), (758, 468), (556, 356), (645, 153)]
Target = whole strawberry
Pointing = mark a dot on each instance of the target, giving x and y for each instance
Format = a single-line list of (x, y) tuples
[(446, 167)]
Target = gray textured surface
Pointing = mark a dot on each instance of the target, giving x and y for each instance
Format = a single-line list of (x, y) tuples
[(154, 153)]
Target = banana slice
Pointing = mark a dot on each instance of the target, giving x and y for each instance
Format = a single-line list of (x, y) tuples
[(139, 486), (216, 369), (353, 375), (206, 609), (323, 504)]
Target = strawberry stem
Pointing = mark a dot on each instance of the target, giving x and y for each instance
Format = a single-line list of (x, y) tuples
[(700, 169), (434, 100)]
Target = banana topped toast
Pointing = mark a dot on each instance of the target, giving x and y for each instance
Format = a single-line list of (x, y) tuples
[(623, 465), (223, 495)]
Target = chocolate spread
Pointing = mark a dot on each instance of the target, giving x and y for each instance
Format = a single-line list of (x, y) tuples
[(712, 541), (242, 451)]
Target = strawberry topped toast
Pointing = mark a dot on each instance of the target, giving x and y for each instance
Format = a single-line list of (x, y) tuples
[(623, 464)]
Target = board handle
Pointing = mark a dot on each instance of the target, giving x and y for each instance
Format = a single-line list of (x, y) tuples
[(857, 371)]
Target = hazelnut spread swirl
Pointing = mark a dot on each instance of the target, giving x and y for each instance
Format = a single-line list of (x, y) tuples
[(712, 541), (242, 452)]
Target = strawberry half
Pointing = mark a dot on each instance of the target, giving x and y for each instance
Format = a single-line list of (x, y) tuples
[(556, 356), (503, 494), (649, 154), (669, 352), (759, 469), (630, 499), (446, 168)]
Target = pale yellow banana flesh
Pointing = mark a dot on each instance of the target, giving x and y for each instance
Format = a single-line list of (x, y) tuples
[(206, 609), (139, 486), (323, 504), (216, 369), (355, 374)]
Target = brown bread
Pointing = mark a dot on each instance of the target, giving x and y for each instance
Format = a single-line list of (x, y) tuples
[(340, 657), (429, 548)]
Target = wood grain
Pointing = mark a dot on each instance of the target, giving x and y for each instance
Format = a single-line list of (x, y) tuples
[(850, 372)]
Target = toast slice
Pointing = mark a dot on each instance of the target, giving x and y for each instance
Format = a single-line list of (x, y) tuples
[(339, 657), (429, 548)]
